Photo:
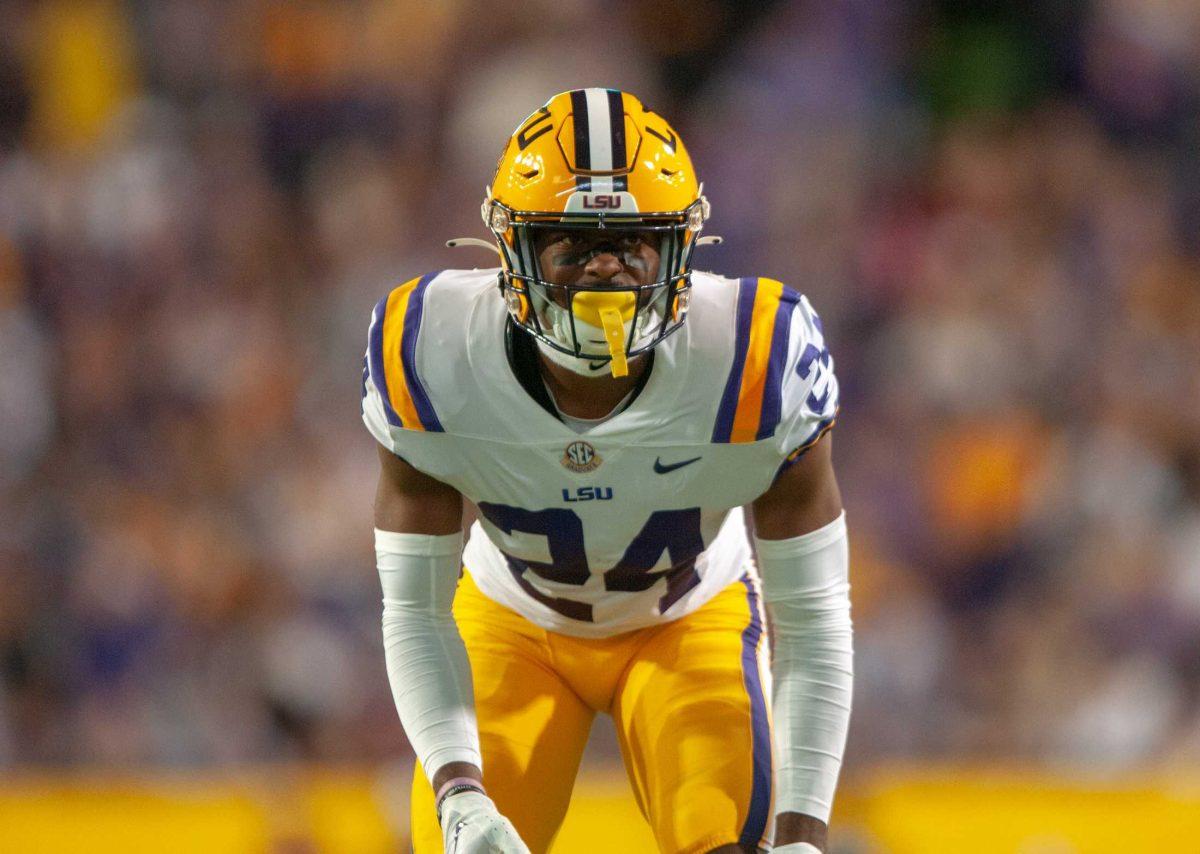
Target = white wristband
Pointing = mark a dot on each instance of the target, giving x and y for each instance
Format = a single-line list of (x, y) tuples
[(426, 661), (806, 584)]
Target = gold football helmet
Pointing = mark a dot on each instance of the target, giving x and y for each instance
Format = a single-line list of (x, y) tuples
[(596, 159)]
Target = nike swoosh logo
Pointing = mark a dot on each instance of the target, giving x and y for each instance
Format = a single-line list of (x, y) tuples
[(596, 366), (659, 468)]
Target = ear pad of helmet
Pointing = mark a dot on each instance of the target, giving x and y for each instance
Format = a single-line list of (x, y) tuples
[(517, 304)]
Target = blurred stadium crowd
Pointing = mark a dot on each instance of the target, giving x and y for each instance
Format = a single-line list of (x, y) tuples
[(997, 214)]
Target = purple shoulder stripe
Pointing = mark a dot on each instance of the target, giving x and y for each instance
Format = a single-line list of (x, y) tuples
[(777, 364), (375, 361), (747, 290), (412, 328)]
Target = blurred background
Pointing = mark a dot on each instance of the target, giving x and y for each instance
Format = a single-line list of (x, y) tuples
[(994, 206)]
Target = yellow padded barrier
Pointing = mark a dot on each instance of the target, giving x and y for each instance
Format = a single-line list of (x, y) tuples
[(363, 811), (990, 811)]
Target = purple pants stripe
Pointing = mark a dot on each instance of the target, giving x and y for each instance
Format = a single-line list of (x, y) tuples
[(760, 792)]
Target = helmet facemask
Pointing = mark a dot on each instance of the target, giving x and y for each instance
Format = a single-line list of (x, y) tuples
[(596, 322)]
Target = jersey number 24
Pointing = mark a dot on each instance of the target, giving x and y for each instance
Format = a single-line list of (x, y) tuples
[(677, 532)]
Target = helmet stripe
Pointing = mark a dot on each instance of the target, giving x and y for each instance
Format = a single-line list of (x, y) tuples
[(599, 121), (616, 129), (583, 149), (600, 139)]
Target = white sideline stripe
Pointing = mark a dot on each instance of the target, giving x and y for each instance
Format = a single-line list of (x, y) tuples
[(600, 138)]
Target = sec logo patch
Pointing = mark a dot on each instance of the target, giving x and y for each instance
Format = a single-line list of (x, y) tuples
[(581, 457)]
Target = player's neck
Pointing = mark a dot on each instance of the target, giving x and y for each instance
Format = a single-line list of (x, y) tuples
[(590, 397)]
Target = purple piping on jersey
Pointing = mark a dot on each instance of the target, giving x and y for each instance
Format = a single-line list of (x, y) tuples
[(760, 730), (805, 446), (375, 355), (772, 406), (747, 289), (412, 326)]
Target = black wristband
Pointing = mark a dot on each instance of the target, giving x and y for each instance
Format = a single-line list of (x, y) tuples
[(454, 790)]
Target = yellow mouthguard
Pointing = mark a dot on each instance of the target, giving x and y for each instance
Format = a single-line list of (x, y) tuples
[(610, 311), (589, 304), (614, 334)]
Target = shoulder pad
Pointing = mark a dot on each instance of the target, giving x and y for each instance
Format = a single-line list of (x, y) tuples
[(392, 357), (752, 401)]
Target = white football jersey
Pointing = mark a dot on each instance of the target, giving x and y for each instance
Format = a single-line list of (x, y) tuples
[(636, 520)]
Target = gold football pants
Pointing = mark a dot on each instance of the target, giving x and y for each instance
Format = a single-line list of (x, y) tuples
[(687, 698)]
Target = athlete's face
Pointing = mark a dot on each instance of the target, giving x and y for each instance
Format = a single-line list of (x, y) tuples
[(596, 257)]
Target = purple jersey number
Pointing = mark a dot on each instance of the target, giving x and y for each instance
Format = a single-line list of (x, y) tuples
[(676, 532)]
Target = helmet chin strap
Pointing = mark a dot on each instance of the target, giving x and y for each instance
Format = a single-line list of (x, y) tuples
[(574, 364), (591, 338)]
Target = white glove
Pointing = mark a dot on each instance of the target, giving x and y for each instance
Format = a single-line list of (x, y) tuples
[(471, 824), (796, 848)]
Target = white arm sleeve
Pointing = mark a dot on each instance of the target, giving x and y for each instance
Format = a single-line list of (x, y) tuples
[(805, 581), (426, 661)]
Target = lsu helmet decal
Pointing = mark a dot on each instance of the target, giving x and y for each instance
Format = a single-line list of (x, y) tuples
[(596, 159)]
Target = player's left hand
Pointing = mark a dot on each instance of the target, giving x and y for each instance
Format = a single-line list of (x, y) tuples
[(471, 824)]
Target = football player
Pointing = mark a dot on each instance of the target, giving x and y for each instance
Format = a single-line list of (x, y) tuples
[(609, 412)]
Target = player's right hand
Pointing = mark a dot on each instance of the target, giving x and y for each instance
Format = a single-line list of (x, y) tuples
[(471, 824)]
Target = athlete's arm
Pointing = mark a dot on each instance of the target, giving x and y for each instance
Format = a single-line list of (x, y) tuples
[(804, 498), (801, 543), (418, 544), (409, 501)]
